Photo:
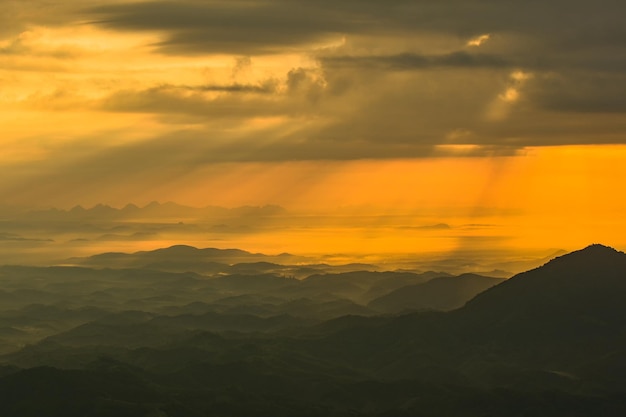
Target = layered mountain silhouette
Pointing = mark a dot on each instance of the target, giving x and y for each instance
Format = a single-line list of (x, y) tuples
[(561, 317), (182, 257), (591, 281), (153, 210), (548, 342)]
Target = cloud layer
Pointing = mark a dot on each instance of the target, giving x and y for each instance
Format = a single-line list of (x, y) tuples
[(87, 86), (406, 55)]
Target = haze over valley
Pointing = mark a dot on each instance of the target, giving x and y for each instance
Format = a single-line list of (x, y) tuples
[(55, 236), (182, 331)]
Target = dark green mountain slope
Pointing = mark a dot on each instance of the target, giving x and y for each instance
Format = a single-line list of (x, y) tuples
[(550, 342), (560, 319), (586, 283), (443, 293)]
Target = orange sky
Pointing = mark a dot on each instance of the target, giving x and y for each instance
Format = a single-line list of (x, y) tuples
[(390, 114)]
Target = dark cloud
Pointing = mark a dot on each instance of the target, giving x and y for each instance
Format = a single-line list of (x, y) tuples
[(234, 88), (240, 27), (302, 89), (404, 83), (191, 102), (557, 36), (382, 115), (580, 93), (244, 27), (409, 61)]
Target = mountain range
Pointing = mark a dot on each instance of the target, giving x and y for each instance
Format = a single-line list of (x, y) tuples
[(547, 342), (153, 210)]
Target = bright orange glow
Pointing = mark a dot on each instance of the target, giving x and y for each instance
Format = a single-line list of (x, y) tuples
[(565, 197), (79, 102)]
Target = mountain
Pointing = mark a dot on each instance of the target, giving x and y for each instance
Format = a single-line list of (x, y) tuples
[(359, 286), (549, 342), (590, 282), (566, 314), (182, 258), (566, 318), (442, 293), (153, 210)]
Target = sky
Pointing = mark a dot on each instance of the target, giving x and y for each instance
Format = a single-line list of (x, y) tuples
[(504, 120)]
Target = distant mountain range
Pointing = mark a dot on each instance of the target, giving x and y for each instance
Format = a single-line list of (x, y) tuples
[(183, 257), (389, 292), (549, 342), (153, 210)]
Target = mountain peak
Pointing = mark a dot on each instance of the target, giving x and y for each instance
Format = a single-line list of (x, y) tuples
[(590, 257), (599, 248), (130, 206), (589, 279), (177, 249)]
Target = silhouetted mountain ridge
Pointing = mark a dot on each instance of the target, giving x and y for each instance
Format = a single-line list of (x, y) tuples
[(180, 255), (564, 317), (590, 280), (549, 342), (153, 209), (595, 256)]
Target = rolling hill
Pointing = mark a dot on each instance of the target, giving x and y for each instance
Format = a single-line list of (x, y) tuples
[(549, 342)]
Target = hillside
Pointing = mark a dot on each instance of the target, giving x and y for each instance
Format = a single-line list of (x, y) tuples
[(443, 293), (549, 342)]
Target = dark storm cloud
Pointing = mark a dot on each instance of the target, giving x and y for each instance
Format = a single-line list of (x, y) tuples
[(242, 26), (391, 90), (558, 35)]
